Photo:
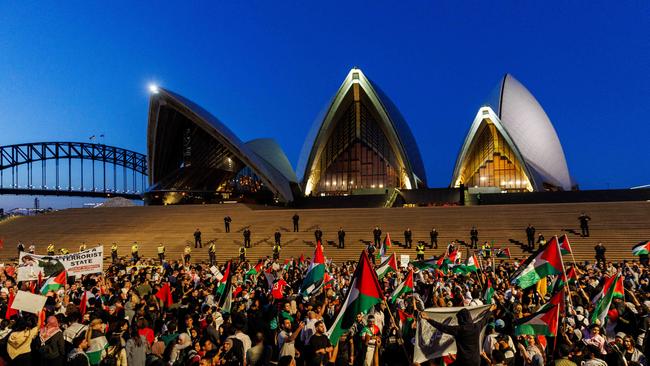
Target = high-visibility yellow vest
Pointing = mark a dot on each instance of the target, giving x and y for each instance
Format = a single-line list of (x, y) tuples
[(82, 247), (242, 250), (114, 248), (134, 248), (50, 248), (161, 249), (63, 251), (419, 249), (188, 250), (212, 248)]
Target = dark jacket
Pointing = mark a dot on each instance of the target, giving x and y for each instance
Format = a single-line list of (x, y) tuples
[(467, 335), (52, 351)]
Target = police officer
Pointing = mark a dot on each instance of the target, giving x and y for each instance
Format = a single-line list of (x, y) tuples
[(434, 238), (473, 237), (212, 253), (242, 254), (226, 223), (584, 224), (486, 250), (197, 239), (600, 254), (341, 238), (161, 252), (408, 237), (419, 251), (247, 238), (530, 236), (134, 252), (187, 254), (540, 240), (277, 236), (318, 234), (376, 234), (50, 249), (276, 252), (63, 251), (114, 252), (82, 247), (295, 220)]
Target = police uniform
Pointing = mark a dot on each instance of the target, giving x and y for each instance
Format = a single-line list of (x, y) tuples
[(50, 249), (134, 252), (161, 252), (419, 251), (188, 254), (242, 254), (82, 247), (114, 252), (276, 252), (212, 253)]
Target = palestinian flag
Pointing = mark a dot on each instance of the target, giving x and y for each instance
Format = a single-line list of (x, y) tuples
[(254, 271), (223, 282), (385, 246), (605, 299), (54, 283), (96, 347), (489, 292), (643, 248), (543, 322), (454, 257), (328, 280), (364, 293), (546, 261), (315, 274), (404, 288), (558, 299), (389, 265), (405, 321), (565, 247), (502, 253), (472, 265), (615, 282), (301, 260), (425, 264)]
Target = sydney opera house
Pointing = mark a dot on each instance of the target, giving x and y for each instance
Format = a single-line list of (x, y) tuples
[(360, 146)]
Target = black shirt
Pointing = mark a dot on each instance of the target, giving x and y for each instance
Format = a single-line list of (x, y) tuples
[(318, 342)]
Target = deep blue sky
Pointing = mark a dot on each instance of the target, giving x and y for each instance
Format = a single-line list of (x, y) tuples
[(267, 68)]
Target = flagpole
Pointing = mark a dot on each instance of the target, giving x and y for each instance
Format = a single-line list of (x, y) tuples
[(557, 242), (392, 319)]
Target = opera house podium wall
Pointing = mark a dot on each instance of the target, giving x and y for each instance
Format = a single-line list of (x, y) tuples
[(619, 225)]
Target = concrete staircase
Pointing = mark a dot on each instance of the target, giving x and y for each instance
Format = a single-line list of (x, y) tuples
[(619, 225)]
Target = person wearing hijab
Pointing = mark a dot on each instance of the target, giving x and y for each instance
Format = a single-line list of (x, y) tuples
[(51, 344), (19, 343)]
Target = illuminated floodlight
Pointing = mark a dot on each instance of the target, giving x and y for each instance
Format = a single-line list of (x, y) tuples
[(153, 88)]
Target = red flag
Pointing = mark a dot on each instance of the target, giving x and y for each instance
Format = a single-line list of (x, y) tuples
[(165, 295), (84, 303), (10, 311), (301, 260), (2, 243), (32, 286), (41, 318), (278, 289), (40, 279)]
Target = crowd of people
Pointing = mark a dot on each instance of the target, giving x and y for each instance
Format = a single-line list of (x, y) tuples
[(143, 311)]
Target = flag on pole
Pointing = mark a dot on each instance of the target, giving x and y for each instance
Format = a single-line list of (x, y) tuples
[(405, 287), (546, 261), (224, 282), (502, 253), (83, 303), (315, 274), (471, 265), (54, 283), (489, 292), (643, 248), (615, 282), (543, 322), (405, 321), (11, 311), (385, 246), (605, 300), (565, 247), (387, 266), (255, 271), (364, 293), (426, 264)]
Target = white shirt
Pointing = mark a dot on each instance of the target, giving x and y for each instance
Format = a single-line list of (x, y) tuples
[(245, 340)]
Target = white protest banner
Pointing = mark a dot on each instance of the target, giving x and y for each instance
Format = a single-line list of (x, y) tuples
[(431, 343), (29, 302), (76, 264), (404, 260)]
